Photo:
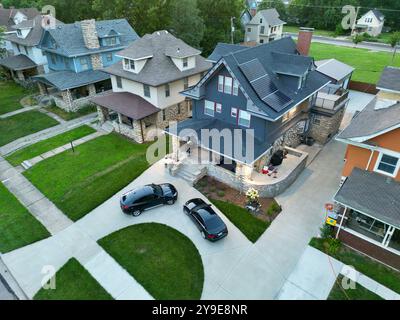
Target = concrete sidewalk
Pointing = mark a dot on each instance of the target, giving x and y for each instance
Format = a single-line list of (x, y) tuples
[(315, 276), (38, 205), (45, 134), (22, 110)]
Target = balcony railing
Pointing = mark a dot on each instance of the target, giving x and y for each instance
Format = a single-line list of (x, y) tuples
[(331, 100)]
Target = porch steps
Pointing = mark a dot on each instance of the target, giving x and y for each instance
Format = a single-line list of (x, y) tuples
[(191, 173), (108, 127)]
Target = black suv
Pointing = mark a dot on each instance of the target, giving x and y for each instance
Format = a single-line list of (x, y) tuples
[(206, 219), (136, 201)]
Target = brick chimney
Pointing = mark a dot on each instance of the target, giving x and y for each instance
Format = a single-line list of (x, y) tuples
[(304, 40), (90, 34)]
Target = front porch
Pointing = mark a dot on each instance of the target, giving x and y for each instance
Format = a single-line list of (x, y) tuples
[(71, 91), (21, 69)]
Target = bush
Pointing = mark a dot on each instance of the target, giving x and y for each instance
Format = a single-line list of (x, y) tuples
[(274, 208), (332, 246), (202, 183), (220, 193), (213, 189), (326, 231)]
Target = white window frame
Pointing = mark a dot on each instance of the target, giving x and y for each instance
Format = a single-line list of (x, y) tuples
[(109, 57), (218, 107), (118, 81), (167, 90), (128, 63), (240, 116), (379, 160), (228, 89), (221, 83), (145, 87), (235, 90), (185, 63), (234, 112), (185, 83), (207, 107), (84, 64)]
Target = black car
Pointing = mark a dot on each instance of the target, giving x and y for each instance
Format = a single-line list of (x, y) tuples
[(207, 221), (136, 201)]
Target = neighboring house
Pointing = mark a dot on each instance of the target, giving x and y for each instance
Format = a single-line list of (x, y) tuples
[(147, 84), (371, 23), (76, 54), (11, 17), (389, 84), (264, 27), (271, 89), (26, 59), (369, 197)]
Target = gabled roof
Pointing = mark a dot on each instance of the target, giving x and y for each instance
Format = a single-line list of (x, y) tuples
[(159, 68), (373, 194), (70, 42), (379, 15), (35, 34), (390, 79), (266, 55), (271, 16), (223, 49), (63, 80), (7, 15), (18, 62), (373, 121), (334, 69)]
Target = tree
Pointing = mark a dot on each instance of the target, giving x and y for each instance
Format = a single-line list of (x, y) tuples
[(277, 4), (394, 42), (217, 15), (186, 22), (2, 50), (358, 38)]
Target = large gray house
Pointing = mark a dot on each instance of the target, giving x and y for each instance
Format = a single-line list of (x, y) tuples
[(271, 89)]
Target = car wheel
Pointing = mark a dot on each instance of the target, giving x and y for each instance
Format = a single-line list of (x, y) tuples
[(136, 212), (203, 235), (171, 202)]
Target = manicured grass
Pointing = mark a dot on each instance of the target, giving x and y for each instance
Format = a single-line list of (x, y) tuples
[(18, 227), (371, 268), (164, 261), (43, 146), (318, 32), (251, 226), (23, 124), (74, 282), (369, 65), (77, 182), (359, 293), (10, 96), (71, 115)]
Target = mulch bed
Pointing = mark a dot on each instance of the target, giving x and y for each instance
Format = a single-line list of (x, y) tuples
[(214, 189)]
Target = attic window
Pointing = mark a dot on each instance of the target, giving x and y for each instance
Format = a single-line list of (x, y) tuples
[(185, 62), (110, 41), (19, 33)]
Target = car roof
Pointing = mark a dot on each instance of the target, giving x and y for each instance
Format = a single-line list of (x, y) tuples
[(139, 193)]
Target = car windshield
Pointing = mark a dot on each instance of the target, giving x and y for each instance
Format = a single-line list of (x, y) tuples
[(157, 190)]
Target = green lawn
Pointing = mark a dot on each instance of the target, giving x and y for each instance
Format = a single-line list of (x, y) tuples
[(74, 282), (318, 32), (77, 182), (371, 268), (10, 96), (71, 115), (164, 261), (23, 124), (359, 293), (18, 227), (43, 146), (250, 226), (369, 65)]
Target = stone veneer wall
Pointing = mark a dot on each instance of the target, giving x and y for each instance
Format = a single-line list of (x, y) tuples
[(171, 114), (90, 34), (97, 63), (70, 105), (324, 127)]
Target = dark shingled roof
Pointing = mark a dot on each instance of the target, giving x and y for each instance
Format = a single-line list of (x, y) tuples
[(334, 69), (35, 34), (159, 69), (378, 14), (70, 42), (64, 80), (390, 79), (373, 194), (19, 62), (223, 49), (373, 120), (271, 16), (126, 103), (7, 15)]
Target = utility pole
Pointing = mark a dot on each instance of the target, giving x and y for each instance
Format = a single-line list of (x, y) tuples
[(355, 20), (232, 29)]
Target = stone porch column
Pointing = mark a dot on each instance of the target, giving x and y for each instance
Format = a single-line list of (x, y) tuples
[(102, 114), (42, 88), (175, 147), (20, 75), (92, 90), (137, 131), (68, 100)]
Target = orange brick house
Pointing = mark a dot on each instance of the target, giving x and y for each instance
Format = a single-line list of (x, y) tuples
[(369, 195)]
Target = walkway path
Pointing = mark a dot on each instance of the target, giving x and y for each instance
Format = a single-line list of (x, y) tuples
[(31, 162), (315, 276), (22, 110), (38, 205), (45, 134)]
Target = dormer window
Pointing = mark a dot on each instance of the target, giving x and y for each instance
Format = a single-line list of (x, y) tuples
[(112, 41), (19, 32), (185, 62), (129, 65)]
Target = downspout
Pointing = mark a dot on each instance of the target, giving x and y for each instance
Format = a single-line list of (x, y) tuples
[(370, 159)]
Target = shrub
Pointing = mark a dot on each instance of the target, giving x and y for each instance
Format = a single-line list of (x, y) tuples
[(213, 189), (273, 208), (202, 183), (220, 193), (326, 231), (332, 246)]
